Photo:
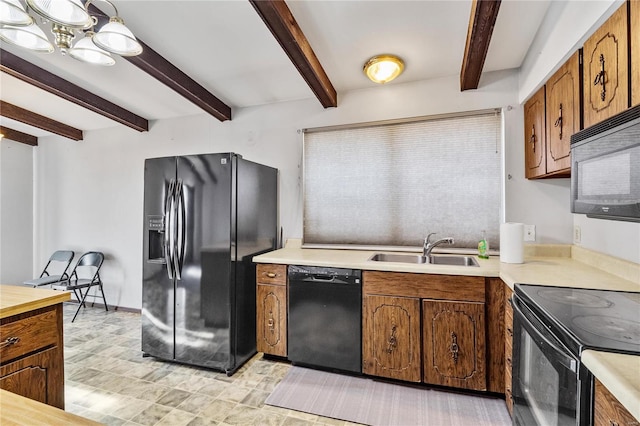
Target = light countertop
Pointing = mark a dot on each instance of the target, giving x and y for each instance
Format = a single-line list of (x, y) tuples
[(16, 300), (554, 265), (16, 410)]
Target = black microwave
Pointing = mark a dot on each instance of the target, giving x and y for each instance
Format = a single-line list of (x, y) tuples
[(605, 168)]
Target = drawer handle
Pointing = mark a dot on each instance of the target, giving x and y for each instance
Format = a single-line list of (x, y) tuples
[(271, 274), (10, 341), (392, 343), (600, 79), (454, 347)]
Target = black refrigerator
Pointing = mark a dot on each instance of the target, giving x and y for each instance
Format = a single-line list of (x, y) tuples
[(205, 217)]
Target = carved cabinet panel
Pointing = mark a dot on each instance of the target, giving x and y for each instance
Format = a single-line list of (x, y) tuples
[(272, 319), (634, 12), (535, 135), (454, 344), (30, 377), (606, 69), (563, 114), (508, 349), (391, 337)]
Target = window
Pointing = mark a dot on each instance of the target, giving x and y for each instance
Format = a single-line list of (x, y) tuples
[(391, 184)]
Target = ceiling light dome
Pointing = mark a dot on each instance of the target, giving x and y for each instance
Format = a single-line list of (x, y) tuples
[(70, 13), (383, 68), (114, 37), (13, 13), (86, 51), (30, 37)]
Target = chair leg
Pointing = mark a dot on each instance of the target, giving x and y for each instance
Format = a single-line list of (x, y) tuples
[(84, 296), (103, 298)]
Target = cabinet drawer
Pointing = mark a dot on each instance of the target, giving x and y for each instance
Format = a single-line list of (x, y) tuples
[(27, 335), (271, 274)]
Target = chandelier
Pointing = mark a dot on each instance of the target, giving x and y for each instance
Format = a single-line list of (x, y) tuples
[(19, 28)]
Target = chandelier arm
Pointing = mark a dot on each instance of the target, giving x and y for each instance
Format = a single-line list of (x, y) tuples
[(86, 6)]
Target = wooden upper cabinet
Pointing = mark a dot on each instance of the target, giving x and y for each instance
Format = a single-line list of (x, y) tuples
[(635, 51), (606, 69), (563, 114), (391, 337), (535, 135)]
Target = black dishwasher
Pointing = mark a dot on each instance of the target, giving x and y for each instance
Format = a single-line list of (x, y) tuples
[(325, 318)]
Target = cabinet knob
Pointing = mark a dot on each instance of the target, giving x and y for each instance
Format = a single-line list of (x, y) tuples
[(10, 341)]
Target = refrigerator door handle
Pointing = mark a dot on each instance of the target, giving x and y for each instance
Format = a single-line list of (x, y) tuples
[(168, 220), (181, 231)]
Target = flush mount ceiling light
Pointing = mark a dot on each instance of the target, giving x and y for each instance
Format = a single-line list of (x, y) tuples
[(18, 27), (383, 68)]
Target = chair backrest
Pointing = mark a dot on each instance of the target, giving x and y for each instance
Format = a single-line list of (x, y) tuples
[(90, 258), (64, 256)]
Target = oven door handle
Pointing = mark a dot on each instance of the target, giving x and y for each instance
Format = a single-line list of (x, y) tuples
[(539, 333)]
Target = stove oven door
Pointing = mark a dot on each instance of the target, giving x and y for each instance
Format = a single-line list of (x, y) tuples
[(546, 387)]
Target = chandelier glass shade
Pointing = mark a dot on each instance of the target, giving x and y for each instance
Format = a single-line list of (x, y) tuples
[(18, 27)]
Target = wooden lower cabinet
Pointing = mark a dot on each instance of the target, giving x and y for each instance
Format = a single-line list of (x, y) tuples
[(31, 355), (608, 411), (508, 349), (454, 344), (272, 319), (391, 337)]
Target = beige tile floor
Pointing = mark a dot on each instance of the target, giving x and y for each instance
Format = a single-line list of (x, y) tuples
[(108, 380)]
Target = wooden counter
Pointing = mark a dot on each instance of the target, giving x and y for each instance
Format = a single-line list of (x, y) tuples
[(16, 300), (19, 411), (32, 350)]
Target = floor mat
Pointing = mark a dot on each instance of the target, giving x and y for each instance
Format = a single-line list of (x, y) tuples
[(372, 402)]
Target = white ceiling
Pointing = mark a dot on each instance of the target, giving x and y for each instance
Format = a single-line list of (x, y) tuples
[(225, 46)]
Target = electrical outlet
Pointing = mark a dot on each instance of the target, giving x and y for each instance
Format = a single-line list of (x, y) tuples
[(577, 234), (529, 232)]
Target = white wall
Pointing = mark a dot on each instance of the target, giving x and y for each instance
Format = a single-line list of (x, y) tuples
[(93, 189), (566, 27), (16, 212)]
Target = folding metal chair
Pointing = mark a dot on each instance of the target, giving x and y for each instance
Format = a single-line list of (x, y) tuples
[(55, 263), (92, 260)]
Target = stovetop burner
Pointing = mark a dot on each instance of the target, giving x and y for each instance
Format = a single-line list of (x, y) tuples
[(587, 318), (612, 328), (573, 297)]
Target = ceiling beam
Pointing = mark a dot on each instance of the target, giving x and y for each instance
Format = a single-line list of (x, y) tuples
[(171, 76), (17, 136), (481, 22), (40, 121), (278, 18), (43, 79)]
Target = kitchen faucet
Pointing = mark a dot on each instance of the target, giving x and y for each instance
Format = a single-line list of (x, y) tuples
[(428, 245)]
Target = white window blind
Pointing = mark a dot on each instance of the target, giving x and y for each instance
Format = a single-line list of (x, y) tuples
[(392, 184)]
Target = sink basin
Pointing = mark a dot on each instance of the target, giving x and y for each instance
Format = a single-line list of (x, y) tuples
[(451, 260)]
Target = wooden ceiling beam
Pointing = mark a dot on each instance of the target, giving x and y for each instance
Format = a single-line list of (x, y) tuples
[(171, 76), (278, 18), (481, 22), (40, 121), (43, 79), (17, 136)]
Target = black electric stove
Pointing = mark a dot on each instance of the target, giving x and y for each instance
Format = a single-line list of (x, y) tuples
[(604, 320)]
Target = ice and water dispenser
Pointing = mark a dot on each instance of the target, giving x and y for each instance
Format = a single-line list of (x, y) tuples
[(155, 235)]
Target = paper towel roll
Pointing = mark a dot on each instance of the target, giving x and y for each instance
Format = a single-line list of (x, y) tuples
[(512, 242)]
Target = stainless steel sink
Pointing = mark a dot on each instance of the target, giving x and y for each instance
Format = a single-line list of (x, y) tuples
[(451, 260)]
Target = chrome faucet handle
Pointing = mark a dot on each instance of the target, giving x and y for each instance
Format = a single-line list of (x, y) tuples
[(428, 239)]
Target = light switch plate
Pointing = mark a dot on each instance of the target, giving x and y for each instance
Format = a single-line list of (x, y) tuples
[(529, 232)]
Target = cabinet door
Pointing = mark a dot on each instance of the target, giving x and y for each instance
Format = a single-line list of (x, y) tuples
[(39, 377), (606, 70), (635, 51), (391, 337), (535, 135), (272, 319), (563, 114), (454, 344), (508, 349), (608, 411)]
